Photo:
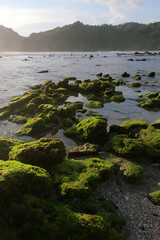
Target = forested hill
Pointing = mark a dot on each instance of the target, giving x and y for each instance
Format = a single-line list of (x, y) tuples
[(80, 37)]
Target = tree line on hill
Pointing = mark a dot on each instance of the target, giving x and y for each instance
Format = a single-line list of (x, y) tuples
[(80, 37)]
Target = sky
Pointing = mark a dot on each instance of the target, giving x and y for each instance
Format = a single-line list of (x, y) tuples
[(28, 16)]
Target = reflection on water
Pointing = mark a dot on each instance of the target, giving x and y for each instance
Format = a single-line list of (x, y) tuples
[(16, 75)]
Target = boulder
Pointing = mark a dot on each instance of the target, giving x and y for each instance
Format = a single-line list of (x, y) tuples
[(45, 152)]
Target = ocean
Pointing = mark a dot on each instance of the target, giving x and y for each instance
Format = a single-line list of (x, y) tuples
[(20, 70)]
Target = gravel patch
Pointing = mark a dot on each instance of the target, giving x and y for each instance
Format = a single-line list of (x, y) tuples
[(141, 215)]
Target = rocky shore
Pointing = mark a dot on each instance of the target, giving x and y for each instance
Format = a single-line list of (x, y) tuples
[(105, 188)]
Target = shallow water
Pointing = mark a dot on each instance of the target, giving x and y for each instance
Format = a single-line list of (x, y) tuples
[(20, 70)]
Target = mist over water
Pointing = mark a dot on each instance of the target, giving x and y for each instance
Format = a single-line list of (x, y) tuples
[(18, 71)]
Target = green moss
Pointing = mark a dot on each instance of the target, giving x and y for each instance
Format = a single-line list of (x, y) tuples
[(94, 104), (6, 144), (17, 179), (18, 119), (92, 130), (78, 178), (155, 197), (133, 173), (44, 153), (96, 86)]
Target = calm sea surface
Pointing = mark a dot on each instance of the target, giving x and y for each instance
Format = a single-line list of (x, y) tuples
[(20, 70)]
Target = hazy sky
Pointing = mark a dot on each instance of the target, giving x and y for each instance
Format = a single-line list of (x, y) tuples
[(27, 16)]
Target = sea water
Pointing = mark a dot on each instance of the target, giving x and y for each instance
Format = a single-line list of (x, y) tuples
[(18, 71)]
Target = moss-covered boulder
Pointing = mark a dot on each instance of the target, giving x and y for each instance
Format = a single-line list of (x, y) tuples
[(94, 104), (78, 178), (6, 144), (45, 152), (17, 179), (93, 130), (96, 86), (155, 197)]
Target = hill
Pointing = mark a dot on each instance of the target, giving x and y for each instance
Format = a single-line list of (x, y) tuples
[(80, 37)]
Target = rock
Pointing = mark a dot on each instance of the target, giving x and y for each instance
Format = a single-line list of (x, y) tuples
[(84, 150), (151, 74), (92, 130), (18, 179), (99, 74), (94, 104), (18, 119), (45, 152), (6, 145), (135, 84), (130, 59), (137, 77), (152, 95), (125, 75), (155, 197), (44, 71)]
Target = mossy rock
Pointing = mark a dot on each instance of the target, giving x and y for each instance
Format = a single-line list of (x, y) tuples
[(93, 130), (70, 78), (125, 146), (35, 127), (131, 147), (96, 86), (45, 152), (17, 179), (155, 197), (77, 105), (133, 173), (151, 137), (17, 105), (94, 104), (152, 95), (46, 108), (47, 220), (118, 98), (135, 84), (134, 126), (6, 144), (78, 178), (92, 113), (151, 74), (18, 119), (138, 77), (125, 75)]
